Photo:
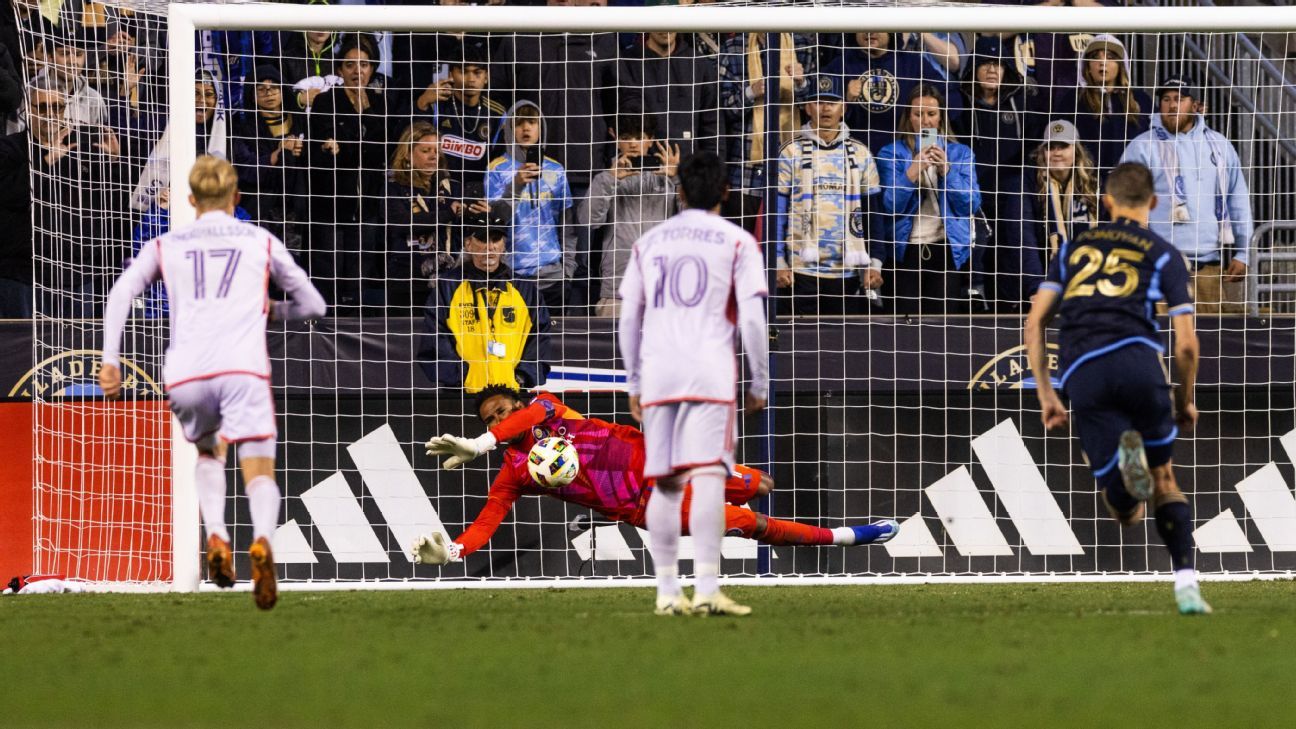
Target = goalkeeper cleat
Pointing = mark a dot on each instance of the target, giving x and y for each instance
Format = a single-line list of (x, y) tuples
[(220, 562), (676, 605), (718, 604), (1190, 601), (264, 589), (877, 532), (1134, 469)]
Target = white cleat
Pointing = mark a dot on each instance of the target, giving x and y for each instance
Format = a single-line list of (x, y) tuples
[(718, 604), (677, 605)]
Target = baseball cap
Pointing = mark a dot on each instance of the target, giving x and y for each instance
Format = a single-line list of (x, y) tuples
[(825, 86), (1061, 131), (1181, 83), (484, 226)]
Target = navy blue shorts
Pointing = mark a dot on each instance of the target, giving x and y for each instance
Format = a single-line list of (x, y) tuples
[(1119, 391)]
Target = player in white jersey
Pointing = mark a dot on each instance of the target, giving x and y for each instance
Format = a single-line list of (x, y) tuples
[(217, 372), (691, 279)]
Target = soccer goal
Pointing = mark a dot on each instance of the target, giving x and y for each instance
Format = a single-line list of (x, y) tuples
[(375, 140)]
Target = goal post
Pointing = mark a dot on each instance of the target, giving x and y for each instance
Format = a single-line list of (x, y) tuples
[(877, 412)]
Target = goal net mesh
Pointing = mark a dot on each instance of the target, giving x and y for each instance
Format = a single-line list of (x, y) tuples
[(383, 159)]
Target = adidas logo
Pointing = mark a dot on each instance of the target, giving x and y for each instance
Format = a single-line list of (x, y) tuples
[(961, 507)]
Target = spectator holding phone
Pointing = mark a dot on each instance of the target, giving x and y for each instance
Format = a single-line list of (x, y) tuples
[(930, 192), (535, 187), (637, 193)]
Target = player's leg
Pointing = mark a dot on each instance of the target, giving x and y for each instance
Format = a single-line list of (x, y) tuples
[(740, 522), (198, 409), (703, 446), (662, 514), (1170, 507), (248, 420), (256, 458), (1174, 525), (745, 483)]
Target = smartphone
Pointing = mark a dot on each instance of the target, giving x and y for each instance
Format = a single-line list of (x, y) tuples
[(533, 155), (642, 162), (474, 191), (927, 138)]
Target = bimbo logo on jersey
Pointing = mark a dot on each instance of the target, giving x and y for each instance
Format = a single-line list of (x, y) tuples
[(462, 148)]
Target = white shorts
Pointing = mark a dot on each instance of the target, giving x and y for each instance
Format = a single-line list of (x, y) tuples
[(683, 435), (235, 408)]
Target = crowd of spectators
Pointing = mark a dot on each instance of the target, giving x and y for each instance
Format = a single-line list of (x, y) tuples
[(911, 173)]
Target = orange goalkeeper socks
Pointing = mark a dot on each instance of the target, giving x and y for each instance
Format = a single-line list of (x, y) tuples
[(779, 532)]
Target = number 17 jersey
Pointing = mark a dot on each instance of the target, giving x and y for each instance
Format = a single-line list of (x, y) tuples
[(690, 272), (1110, 279), (217, 271)]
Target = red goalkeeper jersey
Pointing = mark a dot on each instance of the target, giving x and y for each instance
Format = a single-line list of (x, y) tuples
[(611, 457)]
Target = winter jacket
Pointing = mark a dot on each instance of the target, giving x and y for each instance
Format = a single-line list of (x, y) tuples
[(681, 90), (1199, 149), (1105, 133), (825, 194), (629, 206), (539, 208), (572, 77), (484, 329), (888, 80), (1024, 246), (959, 197)]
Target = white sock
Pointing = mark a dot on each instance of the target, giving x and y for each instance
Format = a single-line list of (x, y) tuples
[(1185, 578), (706, 525), (843, 536), (263, 502), (209, 481), (663, 519)]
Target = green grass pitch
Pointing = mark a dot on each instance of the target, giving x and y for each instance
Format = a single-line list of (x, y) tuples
[(1082, 655)]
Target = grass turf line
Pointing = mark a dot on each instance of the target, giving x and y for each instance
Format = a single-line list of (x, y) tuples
[(937, 655)]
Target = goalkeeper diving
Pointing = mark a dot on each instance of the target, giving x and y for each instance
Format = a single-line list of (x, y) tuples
[(610, 480)]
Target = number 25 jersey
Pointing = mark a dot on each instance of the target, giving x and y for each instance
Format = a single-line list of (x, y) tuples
[(690, 272), (1110, 279)]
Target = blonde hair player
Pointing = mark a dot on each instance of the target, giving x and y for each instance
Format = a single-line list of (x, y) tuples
[(217, 370)]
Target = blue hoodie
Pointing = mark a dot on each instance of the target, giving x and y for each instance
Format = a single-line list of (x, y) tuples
[(1198, 238), (959, 198)]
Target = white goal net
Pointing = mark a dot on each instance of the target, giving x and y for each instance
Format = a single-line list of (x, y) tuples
[(909, 188)]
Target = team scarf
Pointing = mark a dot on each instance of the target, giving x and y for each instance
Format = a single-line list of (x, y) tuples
[(1179, 190)]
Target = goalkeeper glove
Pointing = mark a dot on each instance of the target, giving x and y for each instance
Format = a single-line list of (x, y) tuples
[(434, 549), (460, 450)]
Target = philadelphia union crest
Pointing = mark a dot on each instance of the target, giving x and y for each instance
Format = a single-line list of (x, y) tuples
[(879, 90)]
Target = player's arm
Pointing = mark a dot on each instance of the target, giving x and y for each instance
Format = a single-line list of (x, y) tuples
[(143, 271), (462, 450), (750, 292), (630, 331), (1043, 308), (504, 492), (1187, 350), (1187, 353), (304, 300)]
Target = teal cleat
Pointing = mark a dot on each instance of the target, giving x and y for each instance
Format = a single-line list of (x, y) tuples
[(1134, 466), (1191, 602)]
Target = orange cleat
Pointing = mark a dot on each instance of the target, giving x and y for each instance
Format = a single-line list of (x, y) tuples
[(264, 589), (220, 562)]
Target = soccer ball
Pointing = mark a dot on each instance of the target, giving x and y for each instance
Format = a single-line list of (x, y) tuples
[(553, 462)]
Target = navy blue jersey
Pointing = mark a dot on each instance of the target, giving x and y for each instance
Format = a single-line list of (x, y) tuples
[(1110, 279)]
